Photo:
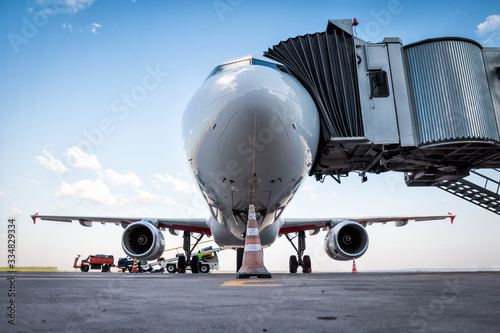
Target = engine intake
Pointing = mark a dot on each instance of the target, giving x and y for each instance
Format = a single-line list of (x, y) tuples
[(345, 241), (143, 240)]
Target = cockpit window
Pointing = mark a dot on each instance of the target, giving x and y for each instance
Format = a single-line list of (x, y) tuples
[(247, 62), (225, 67), (269, 64)]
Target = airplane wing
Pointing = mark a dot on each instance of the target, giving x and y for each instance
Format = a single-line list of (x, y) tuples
[(315, 225), (192, 224)]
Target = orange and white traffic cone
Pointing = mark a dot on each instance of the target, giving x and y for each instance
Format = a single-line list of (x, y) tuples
[(134, 267), (354, 269), (253, 258)]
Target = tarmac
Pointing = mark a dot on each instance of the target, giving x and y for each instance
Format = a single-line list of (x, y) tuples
[(218, 302)]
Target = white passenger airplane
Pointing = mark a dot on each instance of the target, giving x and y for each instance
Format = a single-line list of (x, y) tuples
[(250, 135)]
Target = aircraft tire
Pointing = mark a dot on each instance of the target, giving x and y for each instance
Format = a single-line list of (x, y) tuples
[(293, 264), (181, 264), (239, 258), (306, 266), (195, 263)]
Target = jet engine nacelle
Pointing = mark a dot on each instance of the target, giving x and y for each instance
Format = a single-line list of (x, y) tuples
[(143, 240), (346, 240)]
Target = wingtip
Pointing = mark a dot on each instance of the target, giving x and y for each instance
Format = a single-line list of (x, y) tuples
[(452, 217), (34, 216)]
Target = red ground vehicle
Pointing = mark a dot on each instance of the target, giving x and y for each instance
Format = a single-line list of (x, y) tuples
[(100, 261)]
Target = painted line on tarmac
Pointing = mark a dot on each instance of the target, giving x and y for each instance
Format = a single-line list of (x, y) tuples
[(414, 277), (247, 283)]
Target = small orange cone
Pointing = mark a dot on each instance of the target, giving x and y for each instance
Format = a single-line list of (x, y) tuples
[(134, 267), (253, 258), (354, 269)]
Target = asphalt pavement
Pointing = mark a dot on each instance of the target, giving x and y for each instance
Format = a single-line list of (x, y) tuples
[(218, 302)]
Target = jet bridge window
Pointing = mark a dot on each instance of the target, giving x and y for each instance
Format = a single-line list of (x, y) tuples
[(379, 86)]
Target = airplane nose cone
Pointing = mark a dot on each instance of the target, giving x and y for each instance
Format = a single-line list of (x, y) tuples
[(253, 118), (260, 114)]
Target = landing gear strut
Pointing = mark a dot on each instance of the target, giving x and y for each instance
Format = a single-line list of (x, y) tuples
[(300, 259), (186, 260)]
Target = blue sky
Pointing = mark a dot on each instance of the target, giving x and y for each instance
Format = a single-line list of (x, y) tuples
[(92, 95)]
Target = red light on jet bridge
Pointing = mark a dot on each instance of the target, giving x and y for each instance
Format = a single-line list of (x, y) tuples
[(354, 22)]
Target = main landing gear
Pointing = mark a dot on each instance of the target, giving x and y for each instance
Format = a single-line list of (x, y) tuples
[(300, 259), (186, 260)]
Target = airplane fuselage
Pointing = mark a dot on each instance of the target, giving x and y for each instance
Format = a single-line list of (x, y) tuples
[(250, 135)]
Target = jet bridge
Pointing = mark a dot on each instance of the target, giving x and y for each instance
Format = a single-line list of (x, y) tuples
[(430, 109)]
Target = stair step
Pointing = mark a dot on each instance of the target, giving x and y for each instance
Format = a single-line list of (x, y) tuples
[(474, 193)]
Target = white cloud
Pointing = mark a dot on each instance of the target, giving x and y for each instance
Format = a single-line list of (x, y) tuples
[(65, 6), (179, 185), (81, 160), (491, 38), (489, 29), (120, 179), (50, 163), (67, 26), (16, 211), (93, 191), (2, 194), (491, 24), (148, 197), (93, 27)]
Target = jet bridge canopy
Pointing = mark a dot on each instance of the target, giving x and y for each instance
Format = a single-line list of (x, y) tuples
[(430, 109)]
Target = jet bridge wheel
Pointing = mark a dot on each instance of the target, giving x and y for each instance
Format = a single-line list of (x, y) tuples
[(306, 265), (294, 264)]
